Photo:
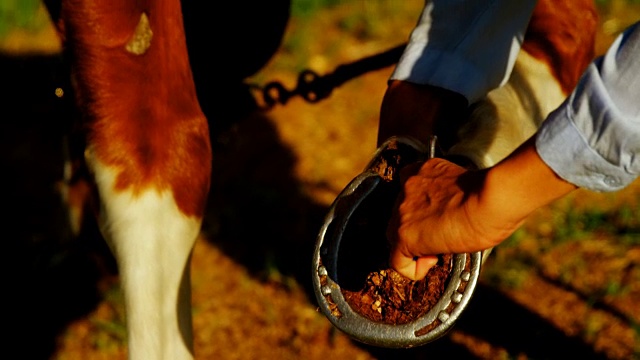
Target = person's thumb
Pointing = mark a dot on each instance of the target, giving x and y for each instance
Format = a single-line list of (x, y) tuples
[(414, 268)]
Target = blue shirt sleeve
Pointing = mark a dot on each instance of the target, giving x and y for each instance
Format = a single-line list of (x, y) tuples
[(468, 47), (593, 139)]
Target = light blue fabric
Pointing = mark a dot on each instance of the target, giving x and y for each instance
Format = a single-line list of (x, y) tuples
[(449, 45), (593, 139)]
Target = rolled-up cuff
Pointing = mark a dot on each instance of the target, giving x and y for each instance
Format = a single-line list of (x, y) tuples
[(565, 150)]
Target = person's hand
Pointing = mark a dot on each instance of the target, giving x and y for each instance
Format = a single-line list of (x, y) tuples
[(445, 208), (439, 212)]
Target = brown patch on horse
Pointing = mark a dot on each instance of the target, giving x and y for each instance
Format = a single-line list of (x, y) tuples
[(142, 116), (562, 34)]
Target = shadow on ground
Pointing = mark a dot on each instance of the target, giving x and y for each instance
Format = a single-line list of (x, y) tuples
[(495, 319), (48, 279)]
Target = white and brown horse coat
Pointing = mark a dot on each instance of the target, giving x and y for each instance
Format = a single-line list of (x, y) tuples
[(148, 151)]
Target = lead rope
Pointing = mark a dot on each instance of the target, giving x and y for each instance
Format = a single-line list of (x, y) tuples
[(313, 87)]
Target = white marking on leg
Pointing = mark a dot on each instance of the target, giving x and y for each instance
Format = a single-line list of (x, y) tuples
[(141, 39), (510, 114), (152, 242)]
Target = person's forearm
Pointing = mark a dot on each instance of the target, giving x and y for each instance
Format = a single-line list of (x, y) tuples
[(592, 139), (518, 185), (448, 209)]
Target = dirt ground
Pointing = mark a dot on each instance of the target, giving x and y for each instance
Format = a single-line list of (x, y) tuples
[(277, 168)]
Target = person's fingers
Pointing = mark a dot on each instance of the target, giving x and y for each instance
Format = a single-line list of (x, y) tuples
[(412, 268), (423, 265)]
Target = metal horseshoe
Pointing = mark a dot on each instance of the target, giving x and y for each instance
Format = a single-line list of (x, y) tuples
[(393, 155)]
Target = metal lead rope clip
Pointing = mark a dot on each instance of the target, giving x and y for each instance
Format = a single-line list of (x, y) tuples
[(432, 146), (434, 323)]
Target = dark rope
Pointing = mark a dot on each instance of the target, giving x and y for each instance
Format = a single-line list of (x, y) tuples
[(313, 87)]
